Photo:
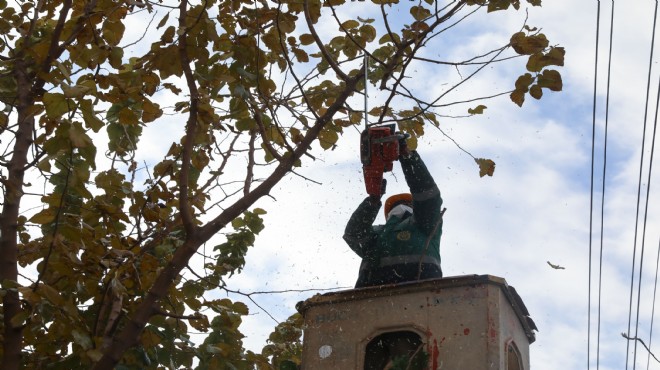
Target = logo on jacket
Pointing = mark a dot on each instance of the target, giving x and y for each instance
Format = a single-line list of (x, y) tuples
[(403, 235)]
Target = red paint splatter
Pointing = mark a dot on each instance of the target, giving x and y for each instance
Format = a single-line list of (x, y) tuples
[(466, 331), (436, 354)]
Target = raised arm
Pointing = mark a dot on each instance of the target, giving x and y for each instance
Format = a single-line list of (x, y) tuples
[(425, 193), (359, 234)]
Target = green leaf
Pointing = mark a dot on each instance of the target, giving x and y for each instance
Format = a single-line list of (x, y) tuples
[(328, 138), (56, 105)]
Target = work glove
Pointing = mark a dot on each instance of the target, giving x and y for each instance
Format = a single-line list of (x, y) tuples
[(375, 199)]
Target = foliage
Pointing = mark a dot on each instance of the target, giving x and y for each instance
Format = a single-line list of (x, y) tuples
[(284, 348), (103, 264)]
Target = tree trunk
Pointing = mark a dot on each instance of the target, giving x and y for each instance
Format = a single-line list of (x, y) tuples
[(13, 194)]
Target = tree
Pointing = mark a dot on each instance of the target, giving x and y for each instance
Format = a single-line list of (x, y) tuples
[(96, 266)]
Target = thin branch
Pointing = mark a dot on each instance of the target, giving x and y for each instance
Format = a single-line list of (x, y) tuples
[(326, 55), (249, 173), (158, 311), (641, 341)]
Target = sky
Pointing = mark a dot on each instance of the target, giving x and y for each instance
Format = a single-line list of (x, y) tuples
[(537, 208), (534, 210)]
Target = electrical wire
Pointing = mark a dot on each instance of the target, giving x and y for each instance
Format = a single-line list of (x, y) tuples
[(639, 187), (655, 290), (603, 190), (648, 193), (591, 198)]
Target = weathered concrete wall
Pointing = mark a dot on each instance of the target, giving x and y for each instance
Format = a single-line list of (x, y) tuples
[(466, 323)]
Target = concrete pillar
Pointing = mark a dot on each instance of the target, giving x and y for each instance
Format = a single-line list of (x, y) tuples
[(463, 323)]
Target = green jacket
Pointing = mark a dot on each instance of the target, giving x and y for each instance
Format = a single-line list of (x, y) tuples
[(406, 240)]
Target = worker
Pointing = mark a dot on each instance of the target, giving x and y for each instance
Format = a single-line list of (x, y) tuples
[(407, 247)]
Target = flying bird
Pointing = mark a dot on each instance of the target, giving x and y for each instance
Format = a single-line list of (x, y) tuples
[(556, 267)]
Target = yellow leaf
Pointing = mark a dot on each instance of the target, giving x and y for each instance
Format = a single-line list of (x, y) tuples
[(518, 97), (150, 111), (91, 121), (301, 55), (477, 110), (149, 338), (51, 294), (115, 57), (536, 92), (550, 79), (78, 137), (528, 45), (349, 24), (486, 166), (368, 32), (523, 82), (4, 121), (113, 31), (43, 217), (76, 91), (420, 13), (127, 117), (306, 39), (19, 319)]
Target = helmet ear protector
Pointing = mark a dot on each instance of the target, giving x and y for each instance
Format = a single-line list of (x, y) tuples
[(395, 200)]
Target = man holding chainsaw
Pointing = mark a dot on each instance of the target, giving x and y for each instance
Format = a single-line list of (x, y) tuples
[(407, 247)]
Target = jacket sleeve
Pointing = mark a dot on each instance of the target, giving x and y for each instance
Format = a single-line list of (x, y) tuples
[(426, 195), (359, 233)]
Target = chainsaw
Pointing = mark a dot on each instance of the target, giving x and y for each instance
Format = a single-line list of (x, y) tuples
[(379, 148)]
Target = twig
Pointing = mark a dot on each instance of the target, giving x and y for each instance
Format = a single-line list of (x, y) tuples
[(641, 341)]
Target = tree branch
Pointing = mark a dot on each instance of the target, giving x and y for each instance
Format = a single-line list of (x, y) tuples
[(191, 125)]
